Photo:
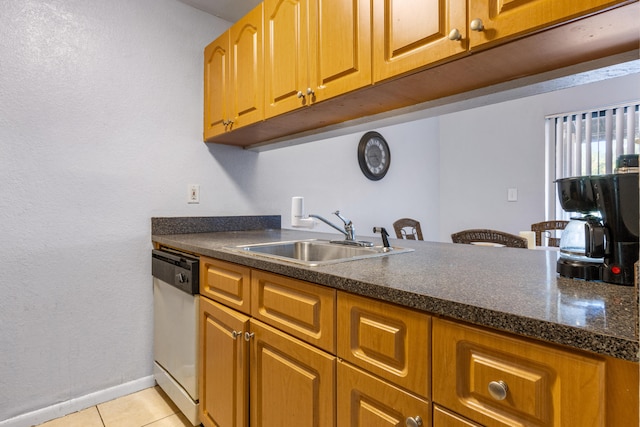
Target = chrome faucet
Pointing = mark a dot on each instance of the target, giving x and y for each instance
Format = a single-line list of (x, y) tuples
[(349, 230)]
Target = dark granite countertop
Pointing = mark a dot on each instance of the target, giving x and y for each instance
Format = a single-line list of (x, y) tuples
[(507, 289)]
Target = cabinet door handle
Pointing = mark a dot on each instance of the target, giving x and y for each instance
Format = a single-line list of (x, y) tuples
[(476, 25), (248, 336), (413, 421), (455, 35), (498, 389)]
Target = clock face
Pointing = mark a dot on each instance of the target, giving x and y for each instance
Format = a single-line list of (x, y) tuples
[(374, 156)]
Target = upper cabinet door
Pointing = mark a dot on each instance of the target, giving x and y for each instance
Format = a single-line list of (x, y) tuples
[(492, 20), (246, 93), (343, 46), (409, 34), (216, 83), (286, 55)]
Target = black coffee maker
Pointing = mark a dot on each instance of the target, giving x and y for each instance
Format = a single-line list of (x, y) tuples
[(602, 243)]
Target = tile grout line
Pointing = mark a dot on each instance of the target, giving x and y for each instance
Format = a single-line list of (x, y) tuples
[(100, 415)]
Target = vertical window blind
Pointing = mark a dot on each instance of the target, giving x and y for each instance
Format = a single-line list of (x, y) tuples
[(588, 143)]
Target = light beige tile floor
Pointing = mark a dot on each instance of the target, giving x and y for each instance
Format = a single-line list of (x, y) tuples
[(146, 408)]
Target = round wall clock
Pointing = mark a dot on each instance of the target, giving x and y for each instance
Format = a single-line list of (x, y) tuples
[(374, 156)]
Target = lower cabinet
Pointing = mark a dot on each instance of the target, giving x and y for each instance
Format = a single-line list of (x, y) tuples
[(306, 355), (223, 366), (292, 383), (498, 380), (444, 418), (367, 401), (251, 371)]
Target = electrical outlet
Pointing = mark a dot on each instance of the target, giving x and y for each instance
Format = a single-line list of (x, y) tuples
[(193, 195)]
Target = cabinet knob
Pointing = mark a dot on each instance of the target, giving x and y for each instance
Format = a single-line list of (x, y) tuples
[(476, 25), (235, 334), (300, 94), (455, 35), (248, 336), (413, 421), (310, 92), (498, 390)]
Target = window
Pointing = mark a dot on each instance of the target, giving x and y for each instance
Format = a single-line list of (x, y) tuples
[(587, 143)]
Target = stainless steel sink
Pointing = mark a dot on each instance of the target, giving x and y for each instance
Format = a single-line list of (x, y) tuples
[(314, 252)]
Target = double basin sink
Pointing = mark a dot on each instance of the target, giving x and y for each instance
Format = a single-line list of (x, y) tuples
[(315, 252)]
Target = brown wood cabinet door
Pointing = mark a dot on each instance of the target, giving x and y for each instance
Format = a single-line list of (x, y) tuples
[(509, 18), (367, 401), (292, 383), (224, 366), (344, 47), (500, 381), (390, 341), (216, 84), (301, 309), (410, 34), (287, 55), (227, 283), (246, 95)]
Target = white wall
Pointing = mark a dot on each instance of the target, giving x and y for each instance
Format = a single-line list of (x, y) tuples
[(489, 149), (100, 129)]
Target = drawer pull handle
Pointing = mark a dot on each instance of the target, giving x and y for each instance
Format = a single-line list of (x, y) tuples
[(476, 25), (413, 421), (455, 35), (498, 389)]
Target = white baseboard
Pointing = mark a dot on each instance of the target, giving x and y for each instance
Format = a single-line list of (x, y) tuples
[(74, 405)]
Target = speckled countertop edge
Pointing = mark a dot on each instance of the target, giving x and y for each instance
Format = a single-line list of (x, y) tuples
[(520, 294)]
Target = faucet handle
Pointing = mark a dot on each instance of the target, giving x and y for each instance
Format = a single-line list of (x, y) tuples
[(346, 221)]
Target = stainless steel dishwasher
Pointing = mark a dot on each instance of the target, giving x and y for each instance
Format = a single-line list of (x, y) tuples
[(175, 334)]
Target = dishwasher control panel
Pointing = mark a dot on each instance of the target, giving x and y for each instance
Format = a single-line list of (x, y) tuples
[(177, 269)]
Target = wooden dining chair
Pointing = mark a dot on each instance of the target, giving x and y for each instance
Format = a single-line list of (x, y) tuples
[(407, 228), (489, 236), (545, 227)]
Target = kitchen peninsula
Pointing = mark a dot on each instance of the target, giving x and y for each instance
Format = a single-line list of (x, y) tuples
[(505, 292)]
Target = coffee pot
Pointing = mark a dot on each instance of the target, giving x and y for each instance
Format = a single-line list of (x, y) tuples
[(601, 242)]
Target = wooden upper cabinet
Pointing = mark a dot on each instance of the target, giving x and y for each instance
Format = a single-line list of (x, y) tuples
[(246, 75), (287, 56), (500, 19), (233, 77), (315, 50), (216, 58), (409, 34), (343, 47)]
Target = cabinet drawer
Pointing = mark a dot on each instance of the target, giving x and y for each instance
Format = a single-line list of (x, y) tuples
[(365, 401), (532, 384), (301, 309), (444, 418), (390, 341), (227, 283)]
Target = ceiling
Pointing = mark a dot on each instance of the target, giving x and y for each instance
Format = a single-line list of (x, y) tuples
[(229, 10)]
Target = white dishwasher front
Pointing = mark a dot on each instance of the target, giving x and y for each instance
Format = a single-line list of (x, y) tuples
[(175, 336)]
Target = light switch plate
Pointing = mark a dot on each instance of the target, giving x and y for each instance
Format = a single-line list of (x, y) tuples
[(512, 194), (193, 195)]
